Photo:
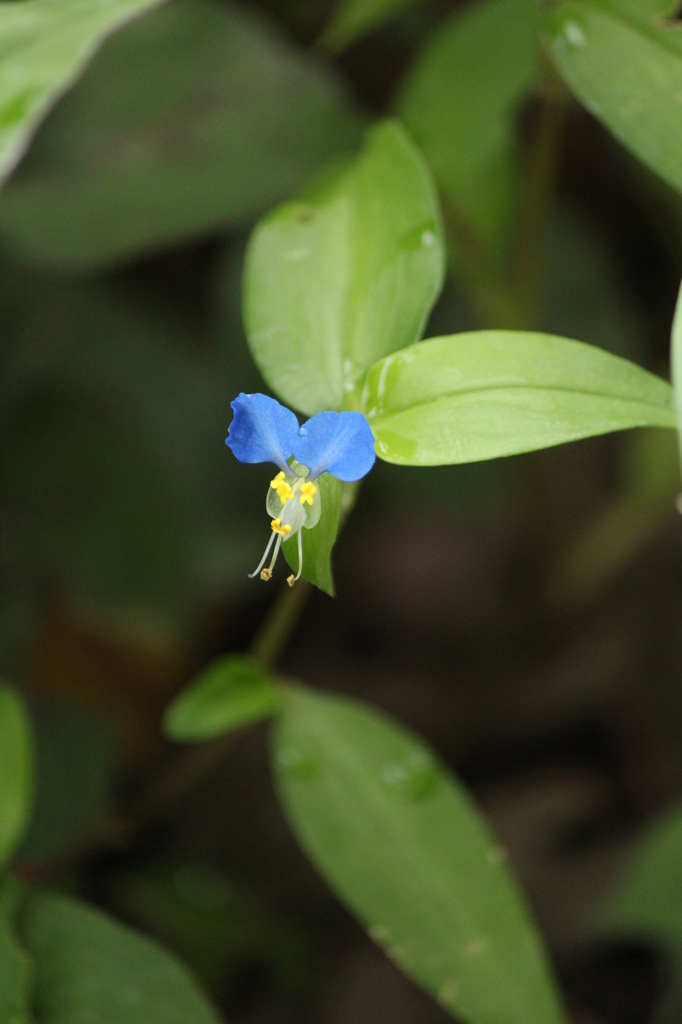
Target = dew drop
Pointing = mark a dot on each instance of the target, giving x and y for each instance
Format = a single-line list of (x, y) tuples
[(428, 238), (412, 777), (302, 431), (475, 948), (293, 761), (574, 35), (378, 933)]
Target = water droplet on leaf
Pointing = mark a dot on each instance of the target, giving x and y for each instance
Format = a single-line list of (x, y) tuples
[(412, 777), (294, 761)]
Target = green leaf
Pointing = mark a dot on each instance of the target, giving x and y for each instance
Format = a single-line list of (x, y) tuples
[(15, 965), (232, 691), (354, 18), (16, 772), (44, 46), (318, 542), (623, 60), (191, 120), (485, 394), (676, 366), (89, 968), (647, 899), (460, 97), (400, 843), (334, 283)]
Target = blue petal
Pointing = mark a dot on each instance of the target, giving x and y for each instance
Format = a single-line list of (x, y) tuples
[(340, 443), (262, 430)]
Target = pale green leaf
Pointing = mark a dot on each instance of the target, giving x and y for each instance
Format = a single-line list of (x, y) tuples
[(336, 282), (318, 542), (624, 62), (400, 843), (460, 97), (89, 968), (193, 119), (44, 46), (232, 691), (16, 772), (354, 18), (485, 394)]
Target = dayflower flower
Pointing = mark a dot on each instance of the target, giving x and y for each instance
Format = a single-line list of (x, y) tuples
[(340, 443)]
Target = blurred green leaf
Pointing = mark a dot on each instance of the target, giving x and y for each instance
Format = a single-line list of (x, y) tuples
[(89, 968), (337, 281), (354, 18), (15, 966), (460, 98), (44, 46), (214, 922), (400, 843), (16, 772), (195, 118), (318, 542), (641, 509), (490, 393), (232, 691), (69, 802), (647, 898), (623, 60)]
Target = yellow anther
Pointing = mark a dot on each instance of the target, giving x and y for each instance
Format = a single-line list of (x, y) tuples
[(284, 491), (291, 580), (308, 491), (266, 574), (277, 527)]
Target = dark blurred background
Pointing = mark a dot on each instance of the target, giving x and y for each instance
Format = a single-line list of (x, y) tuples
[(523, 614)]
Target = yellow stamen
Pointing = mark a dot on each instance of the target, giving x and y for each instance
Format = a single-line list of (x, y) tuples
[(284, 491), (277, 527), (291, 580), (307, 492), (266, 574)]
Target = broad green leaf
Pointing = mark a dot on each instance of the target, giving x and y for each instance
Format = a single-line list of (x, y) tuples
[(317, 543), (89, 968), (647, 899), (44, 46), (460, 98), (336, 282), (490, 393), (16, 772), (232, 691), (676, 366), (624, 62), (193, 119), (354, 18), (15, 966), (400, 843)]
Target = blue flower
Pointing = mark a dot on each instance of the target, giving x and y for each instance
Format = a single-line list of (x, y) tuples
[(340, 443)]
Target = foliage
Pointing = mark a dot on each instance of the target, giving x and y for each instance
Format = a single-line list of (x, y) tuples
[(167, 139)]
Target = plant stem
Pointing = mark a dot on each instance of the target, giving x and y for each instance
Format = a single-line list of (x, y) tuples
[(279, 624)]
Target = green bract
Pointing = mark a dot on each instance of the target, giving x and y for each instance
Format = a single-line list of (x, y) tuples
[(16, 772), (336, 282)]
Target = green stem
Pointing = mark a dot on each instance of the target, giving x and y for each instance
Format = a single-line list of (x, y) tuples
[(279, 624), (544, 165)]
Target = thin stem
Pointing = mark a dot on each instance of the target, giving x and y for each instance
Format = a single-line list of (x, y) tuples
[(279, 624), (544, 165)]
